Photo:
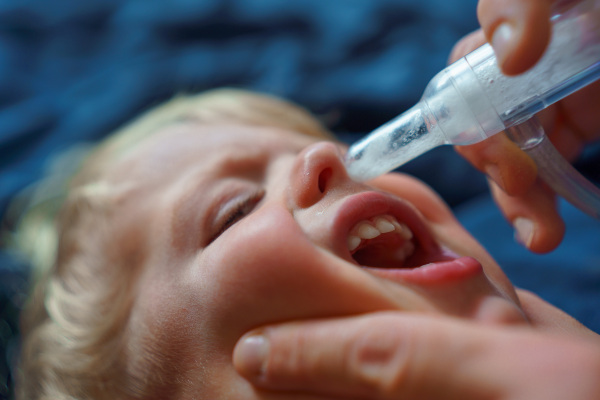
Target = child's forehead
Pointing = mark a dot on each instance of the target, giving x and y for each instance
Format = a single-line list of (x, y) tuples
[(185, 143), (195, 137)]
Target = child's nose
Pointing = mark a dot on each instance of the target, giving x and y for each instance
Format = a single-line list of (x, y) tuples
[(317, 169)]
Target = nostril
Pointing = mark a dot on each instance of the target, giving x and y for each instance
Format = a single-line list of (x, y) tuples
[(324, 177)]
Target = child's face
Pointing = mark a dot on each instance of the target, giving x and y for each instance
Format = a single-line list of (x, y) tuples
[(245, 226)]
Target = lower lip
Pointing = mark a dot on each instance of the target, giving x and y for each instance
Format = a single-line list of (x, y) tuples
[(435, 273)]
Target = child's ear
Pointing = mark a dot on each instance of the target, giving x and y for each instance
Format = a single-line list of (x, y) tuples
[(425, 199)]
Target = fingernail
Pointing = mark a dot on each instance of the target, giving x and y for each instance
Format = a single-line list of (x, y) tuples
[(251, 355), (524, 230), (492, 171), (501, 41)]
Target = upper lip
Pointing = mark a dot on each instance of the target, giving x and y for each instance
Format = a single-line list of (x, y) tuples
[(365, 205)]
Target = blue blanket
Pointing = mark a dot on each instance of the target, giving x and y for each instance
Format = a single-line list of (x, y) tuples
[(72, 71)]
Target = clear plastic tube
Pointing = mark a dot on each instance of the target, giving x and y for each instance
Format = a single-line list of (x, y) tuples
[(472, 100), (561, 176)]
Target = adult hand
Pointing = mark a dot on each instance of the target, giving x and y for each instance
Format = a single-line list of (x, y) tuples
[(395, 355), (519, 31)]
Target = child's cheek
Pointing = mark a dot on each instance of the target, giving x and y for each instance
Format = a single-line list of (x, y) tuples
[(268, 270), (262, 265), (270, 235)]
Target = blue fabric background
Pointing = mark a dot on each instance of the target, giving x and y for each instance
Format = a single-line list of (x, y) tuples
[(72, 71)]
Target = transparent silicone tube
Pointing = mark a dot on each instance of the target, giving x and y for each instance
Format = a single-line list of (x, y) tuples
[(561, 176), (472, 100)]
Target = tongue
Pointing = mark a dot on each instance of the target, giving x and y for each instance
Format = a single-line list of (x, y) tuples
[(390, 252), (385, 251), (374, 256), (421, 257)]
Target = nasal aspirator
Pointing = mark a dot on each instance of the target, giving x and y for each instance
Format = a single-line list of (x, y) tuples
[(471, 100)]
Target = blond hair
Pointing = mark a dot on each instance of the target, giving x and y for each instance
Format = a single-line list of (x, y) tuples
[(73, 325)]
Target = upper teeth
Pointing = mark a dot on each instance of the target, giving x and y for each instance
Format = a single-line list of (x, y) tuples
[(370, 229)]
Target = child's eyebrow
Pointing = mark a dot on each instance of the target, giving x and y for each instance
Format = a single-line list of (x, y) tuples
[(246, 163)]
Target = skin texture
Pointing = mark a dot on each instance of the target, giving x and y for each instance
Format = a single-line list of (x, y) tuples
[(285, 258), (408, 356), (445, 358), (570, 124)]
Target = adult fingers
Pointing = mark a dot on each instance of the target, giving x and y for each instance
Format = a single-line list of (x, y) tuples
[(518, 30), (378, 356), (398, 355), (466, 45), (503, 161), (498, 157), (523, 199), (525, 203), (534, 216)]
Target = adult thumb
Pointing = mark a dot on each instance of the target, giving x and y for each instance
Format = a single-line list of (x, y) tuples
[(392, 355)]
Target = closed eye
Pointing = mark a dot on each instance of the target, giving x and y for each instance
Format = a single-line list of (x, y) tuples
[(241, 208)]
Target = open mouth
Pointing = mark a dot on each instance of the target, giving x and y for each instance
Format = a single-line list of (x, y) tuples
[(384, 242), (387, 237)]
